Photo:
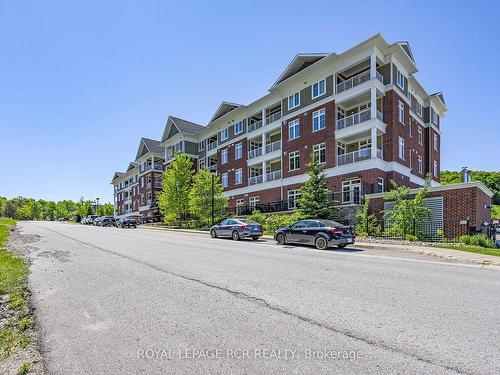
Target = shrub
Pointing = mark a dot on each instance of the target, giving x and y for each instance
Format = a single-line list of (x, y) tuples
[(411, 237), (258, 217), (274, 222), (477, 240)]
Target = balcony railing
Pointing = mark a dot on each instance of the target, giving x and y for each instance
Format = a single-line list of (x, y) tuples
[(157, 184), (254, 153), (353, 82), (212, 145), (275, 146), (255, 180), (271, 176), (353, 119), (254, 126), (359, 155), (213, 168), (272, 118), (380, 77)]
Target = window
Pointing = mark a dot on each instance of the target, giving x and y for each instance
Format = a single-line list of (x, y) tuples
[(293, 195), (435, 117), (201, 163), (224, 134), (410, 127), (351, 190), (224, 179), (420, 165), (142, 182), (401, 148), (253, 202), (238, 176), (238, 127), (420, 135), (435, 141), (293, 161), (319, 120), (294, 129), (419, 108), (380, 184), (294, 100), (201, 145), (401, 112), (400, 79), (318, 89), (223, 156), (238, 151), (148, 180), (240, 203), (435, 168), (320, 152)]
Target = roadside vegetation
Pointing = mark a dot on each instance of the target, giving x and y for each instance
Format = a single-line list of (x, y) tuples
[(17, 319), (31, 209)]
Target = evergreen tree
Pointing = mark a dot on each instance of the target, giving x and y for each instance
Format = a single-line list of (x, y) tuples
[(200, 197), (174, 198), (314, 201)]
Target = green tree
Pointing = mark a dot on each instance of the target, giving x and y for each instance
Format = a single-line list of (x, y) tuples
[(106, 209), (3, 202), (406, 212), (314, 199), (10, 209), (490, 179), (174, 198), (200, 197), (366, 223)]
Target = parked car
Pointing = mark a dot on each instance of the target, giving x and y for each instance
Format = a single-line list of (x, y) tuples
[(107, 221), (237, 229), (320, 233), (89, 220), (96, 221), (126, 222)]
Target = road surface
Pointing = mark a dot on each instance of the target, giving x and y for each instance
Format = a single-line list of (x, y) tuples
[(125, 301)]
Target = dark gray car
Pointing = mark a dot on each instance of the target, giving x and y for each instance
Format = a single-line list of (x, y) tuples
[(237, 229)]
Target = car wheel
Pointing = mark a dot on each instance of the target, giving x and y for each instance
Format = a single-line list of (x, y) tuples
[(236, 235), (342, 245), (213, 233), (321, 243), (280, 239)]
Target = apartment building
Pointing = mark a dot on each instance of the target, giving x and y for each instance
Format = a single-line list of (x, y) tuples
[(362, 112)]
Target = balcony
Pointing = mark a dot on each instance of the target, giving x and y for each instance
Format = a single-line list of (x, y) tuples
[(353, 82), (254, 126), (272, 118), (157, 184), (271, 176), (359, 155), (255, 180), (255, 152), (275, 146), (212, 145), (380, 77)]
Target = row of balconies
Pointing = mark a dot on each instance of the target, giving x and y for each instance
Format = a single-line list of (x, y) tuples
[(270, 147)]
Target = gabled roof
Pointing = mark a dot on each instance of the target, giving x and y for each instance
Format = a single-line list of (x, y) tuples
[(406, 47), (299, 62), (224, 107), (439, 95), (117, 175), (148, 145), (131, 166), (176, 124)]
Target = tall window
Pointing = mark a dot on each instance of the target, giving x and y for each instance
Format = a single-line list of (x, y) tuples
[(293, 161), (253, 202), (420, 165), (400, 80), (401, 112), (319, 120), (224, 179), (410, 127), (435, 168), (238, 127), (435, 117), (320, 152), (293, 195), (380, 184), (223, 156), (318, 89), (294, 129), (201, 145), (224, 134), (238, 176), (401, 148), (201, 163), (238, 151), (435, 141), (420, 135), (294, 100), (419, 108)]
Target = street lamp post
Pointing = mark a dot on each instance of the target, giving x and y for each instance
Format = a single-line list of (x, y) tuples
[(213, 186), (96, 205)]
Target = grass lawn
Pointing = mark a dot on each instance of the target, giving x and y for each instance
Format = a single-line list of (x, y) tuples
[(13, 275), (474, 249)]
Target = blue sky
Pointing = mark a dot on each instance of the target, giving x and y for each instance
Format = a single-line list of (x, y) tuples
[(82, 81)]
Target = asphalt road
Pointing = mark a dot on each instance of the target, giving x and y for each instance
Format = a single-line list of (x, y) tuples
[(113, 301)]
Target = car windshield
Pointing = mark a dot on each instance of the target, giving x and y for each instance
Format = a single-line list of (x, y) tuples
[(250, 222), (332, 224)]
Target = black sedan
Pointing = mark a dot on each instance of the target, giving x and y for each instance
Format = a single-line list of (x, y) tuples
[(126, 222), (237, 229), (106, 221), (320, 233)]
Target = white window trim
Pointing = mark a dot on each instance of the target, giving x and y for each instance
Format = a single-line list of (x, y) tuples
[(420, 164), (238, 146), (234, 127), (319, 93), (298, 101), (420, 135), (296, 194), (240, 172), (402, 157), (224, 178), (435, 168), (401, 112), (294, 123), (318, 114), (402, 84), (317, 148), (435, 142), (224, 131), (226, 153), (295, 153)]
